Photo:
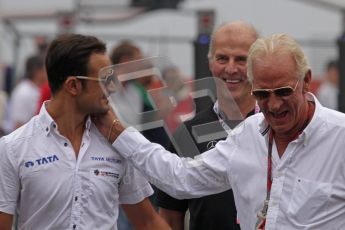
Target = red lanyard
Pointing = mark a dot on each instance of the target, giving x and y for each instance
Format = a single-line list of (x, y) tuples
[(269, 165), (261, 222)]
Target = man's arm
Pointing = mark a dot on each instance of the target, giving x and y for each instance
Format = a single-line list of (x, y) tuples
[(174, 218), (5, 221), (143, 216), (9, 187), (181, 178)]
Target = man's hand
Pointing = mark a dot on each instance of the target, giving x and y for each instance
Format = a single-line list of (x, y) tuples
[(5, 221), (108, 125), (174, 218)]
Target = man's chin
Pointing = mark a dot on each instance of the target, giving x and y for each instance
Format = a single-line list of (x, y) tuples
[(100, 111)]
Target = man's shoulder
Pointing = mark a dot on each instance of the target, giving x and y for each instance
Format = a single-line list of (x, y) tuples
[(255, 118), (332, 117), (250, 126), (26, 132)]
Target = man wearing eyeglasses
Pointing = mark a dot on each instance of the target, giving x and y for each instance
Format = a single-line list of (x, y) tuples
[(58, 171), (286, 165)]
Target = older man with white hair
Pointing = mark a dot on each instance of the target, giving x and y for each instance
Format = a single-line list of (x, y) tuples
[(286, 167)]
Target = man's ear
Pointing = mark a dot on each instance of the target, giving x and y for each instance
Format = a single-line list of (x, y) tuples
[(306, 81), (72, 85)]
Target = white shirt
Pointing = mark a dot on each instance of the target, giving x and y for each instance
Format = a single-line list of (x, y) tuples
[(308, 190), (41, 177), (24, 101)]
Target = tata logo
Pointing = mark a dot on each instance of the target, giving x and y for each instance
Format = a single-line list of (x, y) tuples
[(211, 144), (41, 161)]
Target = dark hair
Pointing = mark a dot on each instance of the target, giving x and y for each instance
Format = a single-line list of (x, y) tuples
[(68, 55), (33, 64), (332, 64), (125, 50)]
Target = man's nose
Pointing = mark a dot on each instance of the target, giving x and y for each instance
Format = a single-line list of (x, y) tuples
[(231, 67), (274, 103)]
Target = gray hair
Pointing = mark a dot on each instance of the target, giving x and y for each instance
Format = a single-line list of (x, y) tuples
[(238, 27), (274, 43)]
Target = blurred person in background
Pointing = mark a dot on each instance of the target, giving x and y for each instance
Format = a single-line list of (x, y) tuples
[(328, 91), (125, 52), (3, 110), (178, 88), (25, 95), (227, 61), (134, 96), (41, 43), (135, 91)]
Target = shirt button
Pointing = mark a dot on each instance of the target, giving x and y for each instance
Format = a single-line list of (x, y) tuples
[(65, 144), (75, 198), (74, 226), (47, 129)]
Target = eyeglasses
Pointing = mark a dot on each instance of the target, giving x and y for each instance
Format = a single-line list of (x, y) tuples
[(108, 81), (285, 91)]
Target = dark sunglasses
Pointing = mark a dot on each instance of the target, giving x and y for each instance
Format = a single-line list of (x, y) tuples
[(285, 91)]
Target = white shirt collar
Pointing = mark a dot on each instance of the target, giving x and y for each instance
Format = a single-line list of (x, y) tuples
[(311, 127), (49, 124)]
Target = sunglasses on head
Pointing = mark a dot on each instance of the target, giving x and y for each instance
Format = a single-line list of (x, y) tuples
[(285, 91)]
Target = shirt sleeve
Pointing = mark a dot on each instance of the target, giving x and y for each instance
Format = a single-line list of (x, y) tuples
[(134, 187), (163, 200), (9, 180), (182, 178)]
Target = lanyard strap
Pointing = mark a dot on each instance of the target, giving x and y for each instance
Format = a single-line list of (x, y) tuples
[(261, 222), (269, 165)]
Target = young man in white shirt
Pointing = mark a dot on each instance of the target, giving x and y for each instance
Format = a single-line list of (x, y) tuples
[(58, 171)]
